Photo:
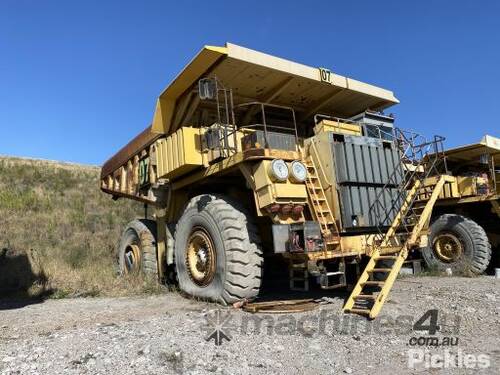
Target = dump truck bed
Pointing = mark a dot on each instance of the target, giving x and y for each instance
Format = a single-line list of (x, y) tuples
[(256, 76), (487, 145), (252, 76), (134, 147)]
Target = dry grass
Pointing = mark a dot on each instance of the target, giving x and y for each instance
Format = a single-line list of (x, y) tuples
[(59, 232)]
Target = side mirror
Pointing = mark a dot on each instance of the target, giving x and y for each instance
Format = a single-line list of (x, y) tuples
[(207, 88)]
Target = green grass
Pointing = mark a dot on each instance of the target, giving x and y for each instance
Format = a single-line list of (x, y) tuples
[(59, 231)]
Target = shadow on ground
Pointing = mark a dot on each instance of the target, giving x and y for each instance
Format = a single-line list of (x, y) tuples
[(276, 285), (20, 284)]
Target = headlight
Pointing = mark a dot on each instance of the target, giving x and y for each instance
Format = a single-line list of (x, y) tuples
[(278, 170), (299, 171)]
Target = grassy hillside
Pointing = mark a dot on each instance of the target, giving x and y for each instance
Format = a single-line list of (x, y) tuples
[(58, 231)]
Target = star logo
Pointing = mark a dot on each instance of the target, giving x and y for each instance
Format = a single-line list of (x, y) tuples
[(218, 326)]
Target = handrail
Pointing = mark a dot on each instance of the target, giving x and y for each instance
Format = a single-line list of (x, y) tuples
[(418, 156), (338, 119), (263, 112)]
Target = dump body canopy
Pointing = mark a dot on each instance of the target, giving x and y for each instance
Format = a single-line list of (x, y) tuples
[(472, 153), (253, 76), (256, 76)]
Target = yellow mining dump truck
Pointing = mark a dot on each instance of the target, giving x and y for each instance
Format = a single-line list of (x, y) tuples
[(466, 218), (250, 155)]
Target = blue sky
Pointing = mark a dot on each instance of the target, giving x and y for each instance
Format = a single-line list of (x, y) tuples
[(79, 79)]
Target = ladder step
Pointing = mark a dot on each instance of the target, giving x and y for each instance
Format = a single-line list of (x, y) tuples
[(333, 273), (387, 257), (375, 283), (324, 220), (318, 200), (360, 311), (380, 270), (366, 296)]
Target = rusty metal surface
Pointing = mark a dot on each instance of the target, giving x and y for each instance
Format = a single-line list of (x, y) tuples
[(118, 194), (281, 307), (143, 140)]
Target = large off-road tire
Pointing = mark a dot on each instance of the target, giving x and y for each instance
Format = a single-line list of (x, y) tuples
[(458, 243), (137, 248), (217, 251)]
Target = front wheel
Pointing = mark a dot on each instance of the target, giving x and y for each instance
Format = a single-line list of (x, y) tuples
[(217, 251), (458, 243)]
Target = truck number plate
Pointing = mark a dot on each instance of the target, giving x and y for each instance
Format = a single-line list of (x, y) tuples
[(325, 75)]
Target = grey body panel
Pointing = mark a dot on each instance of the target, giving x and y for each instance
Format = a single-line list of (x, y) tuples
[(276, 141), (364, 166)]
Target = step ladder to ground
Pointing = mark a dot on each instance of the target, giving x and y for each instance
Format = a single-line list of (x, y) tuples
[(299, 275), (376, 281)]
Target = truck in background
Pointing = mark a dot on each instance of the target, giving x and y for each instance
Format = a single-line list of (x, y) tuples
[(465, 230)]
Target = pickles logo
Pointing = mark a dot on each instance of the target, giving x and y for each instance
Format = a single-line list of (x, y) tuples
[(425, 353)]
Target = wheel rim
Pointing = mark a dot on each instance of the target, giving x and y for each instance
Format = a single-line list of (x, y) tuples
[(200, 257), (448, 247), (132, 258)]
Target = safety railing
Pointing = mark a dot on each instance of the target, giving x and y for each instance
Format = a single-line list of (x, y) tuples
[(418, 161)]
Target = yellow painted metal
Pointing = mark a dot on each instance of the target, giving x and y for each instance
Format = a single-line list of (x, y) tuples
[(472, 153), (467, 185), (398, 260), (262, 77), (396, 223), (161, 241), (224, 166), (290, 191), (269, 192), (447, 247), (166, 104), (426, 213), (179, 153), (354, 244), (318, 202), (200, 257), (261, 175), (382, 296), (337, 127)]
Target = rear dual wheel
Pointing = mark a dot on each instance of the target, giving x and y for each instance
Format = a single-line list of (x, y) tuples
[(137, 248)]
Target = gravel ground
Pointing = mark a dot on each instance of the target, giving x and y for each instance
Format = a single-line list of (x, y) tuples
[(167, 334)]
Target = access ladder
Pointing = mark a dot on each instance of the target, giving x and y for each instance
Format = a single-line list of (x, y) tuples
[(374, 284), (318, 202)]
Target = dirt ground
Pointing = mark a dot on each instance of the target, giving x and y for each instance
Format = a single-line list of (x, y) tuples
[(170, 334)]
